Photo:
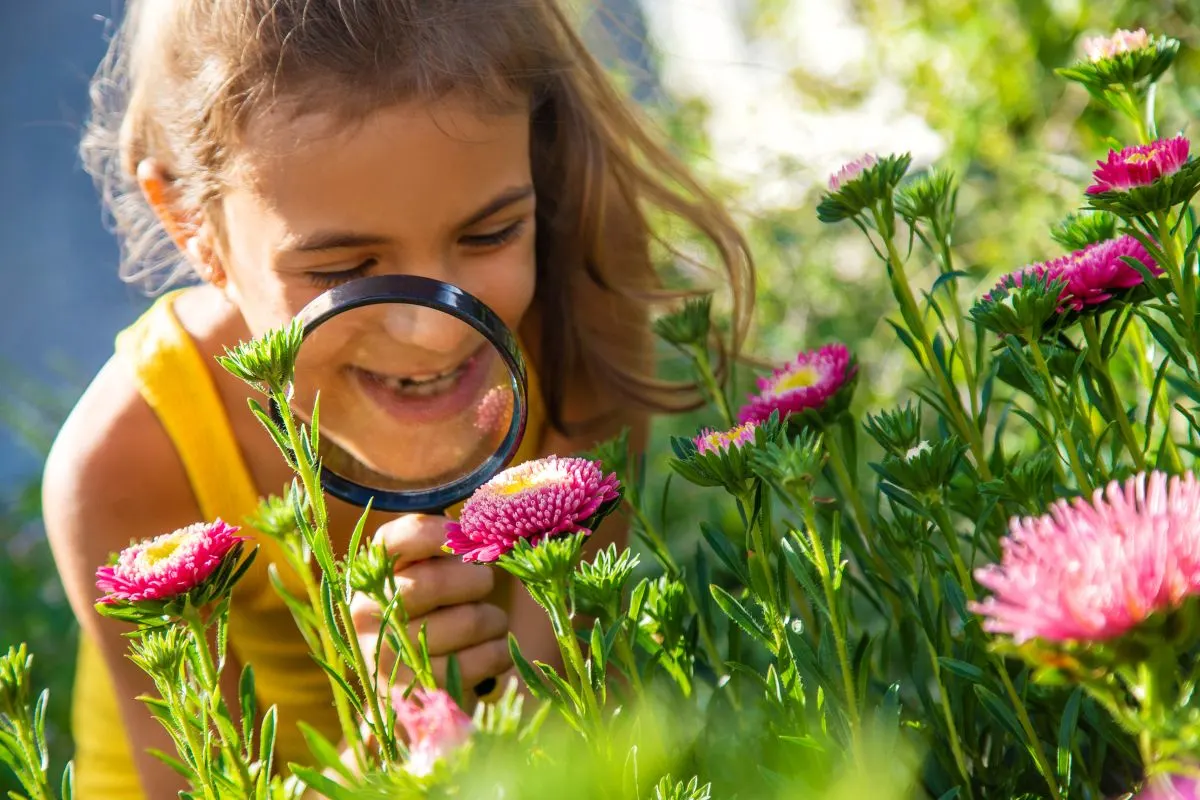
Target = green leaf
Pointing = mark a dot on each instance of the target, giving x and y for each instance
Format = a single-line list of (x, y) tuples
[(738, 613), (318, 782), (249, 704), (1000, 712), (962, 669), (323, 751), (725, 551), (340, 683), (266, 739), (1166, 339), (170, 761), (68, 781), (454, 679), (355, 540), (276, 434), (1066, 737), (530, 675)]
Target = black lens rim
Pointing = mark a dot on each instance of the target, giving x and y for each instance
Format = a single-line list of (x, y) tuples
[(447, 298)]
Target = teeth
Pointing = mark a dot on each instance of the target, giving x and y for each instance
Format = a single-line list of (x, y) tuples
[(421, 385)]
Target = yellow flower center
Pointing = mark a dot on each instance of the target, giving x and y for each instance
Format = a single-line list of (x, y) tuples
[(802, 378), (521, 481), (1140, 158), (161, 550)]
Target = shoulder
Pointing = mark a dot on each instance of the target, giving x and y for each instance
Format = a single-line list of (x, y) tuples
[(112, 475)]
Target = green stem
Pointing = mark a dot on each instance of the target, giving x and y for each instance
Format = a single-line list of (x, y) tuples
[(703, 365), (568, 644), (841, 471), (1138, 344), (38, 786), (912, 315), (211, 686), (370, 688), (664, 555), (960, 324), (951, 727), (755, 537), (625, 652), (1064, 429), (835, 621), (1117, 408), (947, 528)]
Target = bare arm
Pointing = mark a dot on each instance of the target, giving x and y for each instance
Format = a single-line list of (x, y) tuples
[(113, 477)]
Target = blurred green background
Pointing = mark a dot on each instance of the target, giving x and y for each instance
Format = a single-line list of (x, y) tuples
[(969, 84)]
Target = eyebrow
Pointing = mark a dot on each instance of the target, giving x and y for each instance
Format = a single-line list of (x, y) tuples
[(338, 240)]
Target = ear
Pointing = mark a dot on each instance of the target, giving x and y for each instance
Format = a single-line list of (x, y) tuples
[(191, 237)]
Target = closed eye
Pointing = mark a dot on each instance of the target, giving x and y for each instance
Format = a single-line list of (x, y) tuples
[(495, 238), (327, 280)]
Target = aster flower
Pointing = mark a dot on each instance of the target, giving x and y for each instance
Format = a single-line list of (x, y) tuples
[(1126, 58), (1077, 231), (1171, 787), (861, 184), (196, 565), (925, 468), (433, 724), (710, 441), (1027, 299), (267, 362), (1091, 572), (816, 382), (548, 497), (1145, 178)]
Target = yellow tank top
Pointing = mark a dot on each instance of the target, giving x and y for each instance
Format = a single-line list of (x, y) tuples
[(174, 380)]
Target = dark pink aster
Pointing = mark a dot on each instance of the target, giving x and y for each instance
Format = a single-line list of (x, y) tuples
[(534, 500), (808, 382), (169, 565), (434, 725), (1171, 787), (1140, 165), (1092, 275), (1093, 571)]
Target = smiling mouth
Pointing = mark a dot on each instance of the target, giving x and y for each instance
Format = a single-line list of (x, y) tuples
[(425, 385)]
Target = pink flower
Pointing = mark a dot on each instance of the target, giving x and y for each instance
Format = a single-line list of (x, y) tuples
[(168, 566), (1093, 571), (434, 724), (1171, 787), (1101, 47), (807, 382), (1092, 275), (851, 171), (534, 500), (1140, 165), (710, 441)]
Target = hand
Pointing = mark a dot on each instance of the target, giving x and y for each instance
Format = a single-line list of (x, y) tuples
[(443, 594)]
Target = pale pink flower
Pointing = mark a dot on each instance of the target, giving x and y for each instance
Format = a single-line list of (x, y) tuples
[(1140, 165), (1171, 787), (710, 441), (808, 382), (1093, 571), (851, 171), (169, 565), (546, 497), (1092, 275), (1099, 48), (434, 725)]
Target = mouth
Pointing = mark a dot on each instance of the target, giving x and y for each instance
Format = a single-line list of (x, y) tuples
[(423, 385), (424, 397)]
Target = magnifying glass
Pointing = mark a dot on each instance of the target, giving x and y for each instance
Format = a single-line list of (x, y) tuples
[(422, 392)]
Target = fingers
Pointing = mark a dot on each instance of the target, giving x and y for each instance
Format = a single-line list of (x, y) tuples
[(425, 587), (489, 659), (413, 537)]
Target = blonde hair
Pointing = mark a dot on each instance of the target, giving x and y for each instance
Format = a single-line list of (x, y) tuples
[(183, 78)]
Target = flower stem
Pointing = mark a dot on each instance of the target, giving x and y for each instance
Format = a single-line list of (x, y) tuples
[(912, 315), (1117, 408), (836, 623), (38, 785), (568, 644), (960, 325), (951, 727), (703, 365), (1138, 345), (1064, 428), (211, 686)]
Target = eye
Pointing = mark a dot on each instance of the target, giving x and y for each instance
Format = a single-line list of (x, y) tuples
[(495, 238), (328, 280)]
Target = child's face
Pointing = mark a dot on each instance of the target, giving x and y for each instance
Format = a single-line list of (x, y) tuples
[(433, 190)]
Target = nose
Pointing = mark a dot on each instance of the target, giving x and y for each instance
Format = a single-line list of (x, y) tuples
[(426, 328)]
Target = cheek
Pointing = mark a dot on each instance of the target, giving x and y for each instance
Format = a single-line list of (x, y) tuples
[(507, 284)]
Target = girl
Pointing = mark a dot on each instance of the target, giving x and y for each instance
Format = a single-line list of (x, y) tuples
[(274, 148)]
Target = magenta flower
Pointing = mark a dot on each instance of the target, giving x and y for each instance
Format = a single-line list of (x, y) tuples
[(1099, 48), (547, 497), (170, 565), (808, 382), (710, 441), (434, 724), (1092, 275), (851, 171), (1140, 165), (1093, 571)]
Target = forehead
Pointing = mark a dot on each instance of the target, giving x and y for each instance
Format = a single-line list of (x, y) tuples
[(419, 161)]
